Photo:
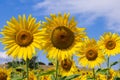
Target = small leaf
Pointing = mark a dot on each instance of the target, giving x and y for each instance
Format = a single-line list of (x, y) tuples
[(114, 63), (98, 70), (53, 77), (90, 79), (102, 71), (47, 73), (117, 78), (63, 78), (71, 77)]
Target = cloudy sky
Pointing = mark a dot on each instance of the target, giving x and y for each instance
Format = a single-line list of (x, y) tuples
[(97, 16)]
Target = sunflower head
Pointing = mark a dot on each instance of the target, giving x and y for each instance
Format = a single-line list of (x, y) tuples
[(21, 37), (45, 77), (4, 74), (109, 43), (61, 36), (90, 54), (67, 67), (24, 38), (66, 64), (32, 76), (112, 74)]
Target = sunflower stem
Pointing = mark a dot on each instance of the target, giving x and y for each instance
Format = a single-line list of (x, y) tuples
[(94, 74), (108, 68), (27, 63), (56, 70)]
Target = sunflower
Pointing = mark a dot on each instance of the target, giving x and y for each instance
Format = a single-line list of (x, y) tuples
[(45, 77), (101, 77), (110, 43), (61, 36), (32, 76), (5, 74), (67, 67), (112, 74), (90, 54), (21, 37)]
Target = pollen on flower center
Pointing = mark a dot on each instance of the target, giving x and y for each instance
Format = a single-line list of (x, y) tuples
[(24, 38), (91, 55), (66, 64), (110, 45), (3, 76), (62, 37)]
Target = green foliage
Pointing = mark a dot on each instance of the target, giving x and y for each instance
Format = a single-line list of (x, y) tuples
[(102, 71), (114, 63), (47, 73), (69, 77)]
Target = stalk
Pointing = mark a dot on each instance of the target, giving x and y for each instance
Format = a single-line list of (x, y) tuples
[(108, 66), (56, 70), (27, 63), (94, 74)]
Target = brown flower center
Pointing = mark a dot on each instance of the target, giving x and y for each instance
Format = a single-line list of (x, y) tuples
[(24, 38), (91, 55), (110, 45), (62, 37), (66, 64), (3, 76)]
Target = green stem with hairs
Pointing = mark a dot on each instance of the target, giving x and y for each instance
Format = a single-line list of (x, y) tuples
[(108, 66), (57, 64), (94, 74), (27, 68)]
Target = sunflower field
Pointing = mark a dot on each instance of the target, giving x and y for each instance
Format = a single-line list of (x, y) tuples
[(61, 40)]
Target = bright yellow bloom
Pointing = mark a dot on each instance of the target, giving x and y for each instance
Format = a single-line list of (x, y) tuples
[(112, 74), (67, 67), (45, 77), (61, 36), (118, 73), (101, 77), (83, 75), (110, 43), (5, 74), (31, 76), (21, 37), (90, 54)]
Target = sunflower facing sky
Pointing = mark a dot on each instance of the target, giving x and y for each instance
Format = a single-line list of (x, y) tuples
[(5, 74), (32, 76), (67, 67), (110, 43), (90, 54), (61, 36), (21, 37)]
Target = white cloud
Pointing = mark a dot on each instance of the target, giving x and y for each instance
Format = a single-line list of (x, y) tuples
[(109, 9), (4, 58)]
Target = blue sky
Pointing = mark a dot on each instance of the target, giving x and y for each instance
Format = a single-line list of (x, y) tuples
[(97, 16)]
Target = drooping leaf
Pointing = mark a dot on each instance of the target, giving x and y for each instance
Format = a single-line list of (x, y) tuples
[(114, 63), (47, 73), (102, 71), (70, 77)]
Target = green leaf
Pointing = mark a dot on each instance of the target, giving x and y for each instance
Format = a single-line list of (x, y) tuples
[(98, 70), (47, 73), (53, 77), (102, 71), (114, 63), (117, 78), (90, 79), (63, 78), (70, 77)]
